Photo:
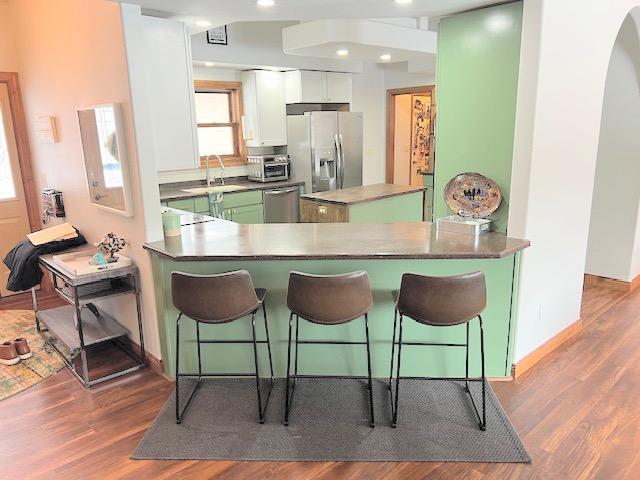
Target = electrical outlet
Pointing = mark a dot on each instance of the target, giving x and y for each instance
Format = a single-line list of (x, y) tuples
[(43, 181)]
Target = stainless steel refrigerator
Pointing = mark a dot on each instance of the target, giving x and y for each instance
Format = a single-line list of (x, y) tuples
[(325, 149)]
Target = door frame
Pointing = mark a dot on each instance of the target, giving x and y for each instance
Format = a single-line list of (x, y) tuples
[(391, 124), (10, 79)]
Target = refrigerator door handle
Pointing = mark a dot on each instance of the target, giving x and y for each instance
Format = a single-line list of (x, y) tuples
[(341, 161)]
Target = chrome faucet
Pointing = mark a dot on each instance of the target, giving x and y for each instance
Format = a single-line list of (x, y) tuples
[(206, 164)]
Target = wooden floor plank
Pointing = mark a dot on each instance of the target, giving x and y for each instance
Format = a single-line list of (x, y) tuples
[(577, 412)]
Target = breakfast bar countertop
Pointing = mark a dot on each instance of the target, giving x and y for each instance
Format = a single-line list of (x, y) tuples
[(223, 240), (362, 194)]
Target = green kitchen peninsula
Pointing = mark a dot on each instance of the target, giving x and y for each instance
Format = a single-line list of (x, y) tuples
[(386, 251), (382, 203)]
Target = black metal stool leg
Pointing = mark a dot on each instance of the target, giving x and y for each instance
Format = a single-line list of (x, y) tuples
[(178, 368), (295, 368), (266, 330), (287, 399), (394, 421), (199, 353), (466, 364), (393, 346), (179, 414), (483, 423), (255, 358), (372, 422)]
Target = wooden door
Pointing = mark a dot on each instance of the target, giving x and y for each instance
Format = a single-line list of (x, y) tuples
[(14, 219)]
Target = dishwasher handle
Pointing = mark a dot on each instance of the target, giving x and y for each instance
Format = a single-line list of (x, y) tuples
[(280, 192)]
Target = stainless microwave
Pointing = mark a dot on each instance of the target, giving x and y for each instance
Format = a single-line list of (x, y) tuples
[(268, 168)]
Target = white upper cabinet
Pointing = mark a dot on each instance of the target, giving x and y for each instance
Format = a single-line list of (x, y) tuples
[(305, 86), (264, 122), (338, 87), (167, 93)]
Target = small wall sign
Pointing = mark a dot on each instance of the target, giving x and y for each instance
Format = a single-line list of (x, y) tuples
[(46, 130), (217, 36)]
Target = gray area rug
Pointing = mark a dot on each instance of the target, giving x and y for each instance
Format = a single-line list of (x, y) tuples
[(329, 422)]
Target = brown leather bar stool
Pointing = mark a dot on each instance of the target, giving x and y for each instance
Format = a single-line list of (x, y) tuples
[(327, 300), (440, 302), (218, 299)]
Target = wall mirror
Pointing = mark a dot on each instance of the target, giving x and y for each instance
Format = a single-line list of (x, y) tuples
[(105, 158)]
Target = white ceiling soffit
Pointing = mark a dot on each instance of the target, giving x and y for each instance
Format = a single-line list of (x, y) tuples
[(364, 40), (224, 12)]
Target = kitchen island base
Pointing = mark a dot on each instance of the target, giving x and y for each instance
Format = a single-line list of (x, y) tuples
[(385, 276)]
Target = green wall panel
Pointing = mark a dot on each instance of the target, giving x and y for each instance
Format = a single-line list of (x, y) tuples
[(385, 276), (401, 208), (477, 82)]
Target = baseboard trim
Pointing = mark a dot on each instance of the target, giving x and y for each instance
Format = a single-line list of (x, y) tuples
[(621, 284), (546, 348), (154, 363)]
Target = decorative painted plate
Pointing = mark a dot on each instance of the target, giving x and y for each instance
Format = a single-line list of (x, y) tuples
[(472, 195)]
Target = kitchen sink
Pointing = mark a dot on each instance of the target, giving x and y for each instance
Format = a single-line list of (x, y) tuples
[(214, 189)]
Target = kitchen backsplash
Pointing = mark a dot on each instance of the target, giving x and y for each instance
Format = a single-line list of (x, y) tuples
[(200, 174)]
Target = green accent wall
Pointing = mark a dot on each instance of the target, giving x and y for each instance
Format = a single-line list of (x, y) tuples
[(384, 277), (477, 83), (401, 208)]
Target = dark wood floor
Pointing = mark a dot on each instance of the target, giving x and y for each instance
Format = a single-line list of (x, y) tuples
[(578, 412)]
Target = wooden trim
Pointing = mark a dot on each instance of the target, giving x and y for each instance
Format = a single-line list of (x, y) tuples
[(391, 113), (216, 85), (24, 157), (237, 111), (24, 154), (546, 348), (154, 363), (391, 127), (621, 284)]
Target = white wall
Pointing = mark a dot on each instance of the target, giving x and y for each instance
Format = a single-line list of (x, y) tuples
[(70, 55), (220, 74), (568, 43), (8, 53), (260, 43), (613, 250)]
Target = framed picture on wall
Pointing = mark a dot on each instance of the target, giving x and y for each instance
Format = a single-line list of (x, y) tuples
[(217, 36)]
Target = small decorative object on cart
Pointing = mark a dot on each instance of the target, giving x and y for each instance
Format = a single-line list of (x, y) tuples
[(111, 244)]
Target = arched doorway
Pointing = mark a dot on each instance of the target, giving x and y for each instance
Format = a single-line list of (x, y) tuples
[(613, 253)]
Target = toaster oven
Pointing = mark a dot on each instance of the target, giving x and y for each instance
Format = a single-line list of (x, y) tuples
[(268, 168)]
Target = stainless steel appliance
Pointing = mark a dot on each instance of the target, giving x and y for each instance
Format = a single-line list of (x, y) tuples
[(325, 149), (268, 168), (281, 205)]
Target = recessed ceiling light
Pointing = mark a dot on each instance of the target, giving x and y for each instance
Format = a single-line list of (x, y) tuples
[(209, 64), (265, 3), (203, 23), (385, 57), (343, 52), (403, 2)]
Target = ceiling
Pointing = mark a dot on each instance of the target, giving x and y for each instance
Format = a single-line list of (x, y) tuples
[(364, 40), (223, 12)]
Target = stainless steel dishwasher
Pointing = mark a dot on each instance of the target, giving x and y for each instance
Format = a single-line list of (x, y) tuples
[(281, 205)]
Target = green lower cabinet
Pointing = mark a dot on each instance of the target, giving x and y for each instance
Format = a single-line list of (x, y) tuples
[(401, 208), (184, 204), (384, 276), (245, 214), (201, 205)]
